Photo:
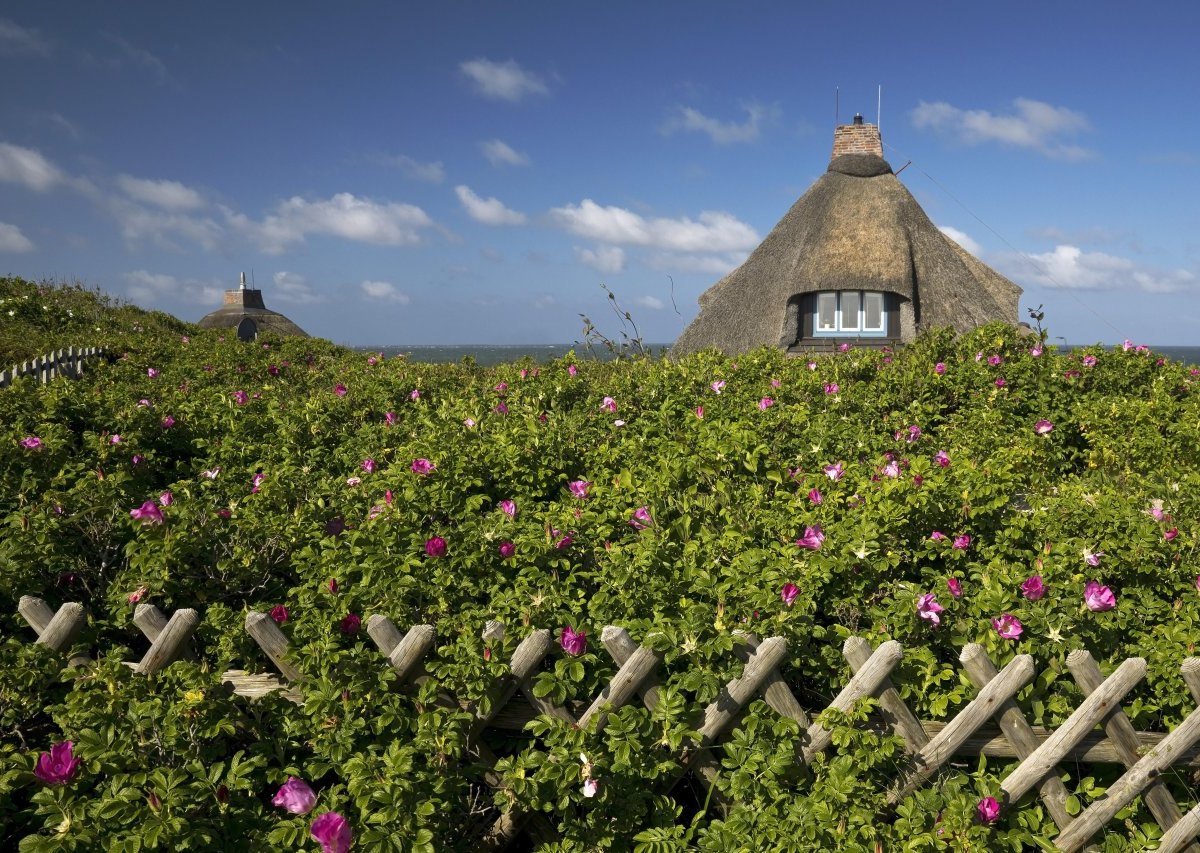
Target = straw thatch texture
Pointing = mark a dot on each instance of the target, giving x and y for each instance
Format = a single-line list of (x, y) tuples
[(272, 322), (857, 228)]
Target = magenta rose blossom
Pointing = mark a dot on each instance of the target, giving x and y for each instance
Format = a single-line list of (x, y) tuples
[(1007, 626), (942, 458), (812, 539), (955, 587), (1170, 534), (831, 388), (962, 543), (423, 467), (939, 368), (641, 518), (296, 796), (608, 404), (435, 547), (834, 471), (507, 549), (988, 810), (579, 488), (789, 593), (1043, 427), (339, 389), (333, 832), (1033, 588), (573, 642), (147, 513), (368, 465), (350, 623), (57, 766), (765, 403), (928, 608), (814, 496), (31, 442), (509, 508), (280, 615), (1098, 598)]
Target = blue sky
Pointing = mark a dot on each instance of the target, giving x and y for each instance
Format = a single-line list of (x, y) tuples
[(473, 172)]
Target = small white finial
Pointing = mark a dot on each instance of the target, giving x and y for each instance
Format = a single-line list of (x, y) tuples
[(243, 281)]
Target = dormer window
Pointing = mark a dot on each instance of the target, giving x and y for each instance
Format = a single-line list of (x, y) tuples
[(838, 313)]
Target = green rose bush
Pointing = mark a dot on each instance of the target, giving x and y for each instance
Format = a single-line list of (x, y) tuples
[(972, 489)]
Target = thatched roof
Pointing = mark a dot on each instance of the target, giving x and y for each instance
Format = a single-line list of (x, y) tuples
[(229, 316), (857, 228)]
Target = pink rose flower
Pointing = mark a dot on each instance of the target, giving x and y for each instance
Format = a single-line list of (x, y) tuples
[(423, 467), (31, 442), (509, 507), (788, 593), (928, 608), (573, 642), (1033, 588), (368, 465), (339, 389), (435, 547), (1098, 598), (147, 513), (962, 543), (939, 368), (579, 488), (942, 458), (812, 539), (57, 766), (641, 518), (955, 587), (988, 810), (295, 796), (333, 832), (507, 549), (1008, 626), (350, 623), (1043, 427), (814, 497), (280, 615)]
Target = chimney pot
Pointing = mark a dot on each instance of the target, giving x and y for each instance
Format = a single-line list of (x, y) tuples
[(858, 119)]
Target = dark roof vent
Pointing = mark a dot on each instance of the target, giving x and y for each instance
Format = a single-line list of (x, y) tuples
[(858, 118)]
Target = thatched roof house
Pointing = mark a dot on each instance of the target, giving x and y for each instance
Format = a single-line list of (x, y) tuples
[(244, 310), (855, 260)]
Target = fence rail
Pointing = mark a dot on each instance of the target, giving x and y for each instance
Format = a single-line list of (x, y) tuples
[(991, 724), (67, 362)]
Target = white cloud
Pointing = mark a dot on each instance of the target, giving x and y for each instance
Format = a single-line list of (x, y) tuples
[(293, 287), (163, 227), (721, 132), (1070, 268), (384, 292), (505, 81), (962, 239), (545, 301), (1033, 124), (343, 215), (148, 287), (15, 38), (434, 172), (718, 265), (169, 195), (651, 302), (12, 240), (500, 153), (605, 259), (712, 231), (489, 211), (25, 166)]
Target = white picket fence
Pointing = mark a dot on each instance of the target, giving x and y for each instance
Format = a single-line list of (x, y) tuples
[(67, 362)]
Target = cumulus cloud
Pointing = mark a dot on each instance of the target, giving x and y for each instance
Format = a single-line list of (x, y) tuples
[(718, 265), (15, 38), (504, 81), (28, 167), (12, 240), (962, 239), (384, 291), (169, 195), (1071, 268), (1035, 125), (605, 259), (712, 231), (689, 119), (489, 211), (499, 153), (344, 215), (148, 287), (653, 303), (164, 228), (433, 173), (293, 287)]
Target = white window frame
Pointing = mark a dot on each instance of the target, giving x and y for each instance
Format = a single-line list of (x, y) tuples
[(845, 326)]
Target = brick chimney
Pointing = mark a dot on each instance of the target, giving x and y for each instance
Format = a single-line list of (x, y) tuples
[(244, 297), (857, 138)]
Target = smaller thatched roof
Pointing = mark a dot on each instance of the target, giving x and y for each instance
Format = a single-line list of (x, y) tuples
[(246, 303)]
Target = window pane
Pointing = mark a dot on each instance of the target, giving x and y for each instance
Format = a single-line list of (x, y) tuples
[(826, 311), (850, 302), (873, 312)]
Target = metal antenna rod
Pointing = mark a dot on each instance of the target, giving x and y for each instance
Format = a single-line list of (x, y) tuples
[(879, 108), (837, 106)]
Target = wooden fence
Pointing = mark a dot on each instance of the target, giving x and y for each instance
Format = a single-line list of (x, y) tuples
[(930, 744), (67, 362)]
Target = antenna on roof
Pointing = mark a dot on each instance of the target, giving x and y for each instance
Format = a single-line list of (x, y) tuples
[(837, 106), (879, 107)]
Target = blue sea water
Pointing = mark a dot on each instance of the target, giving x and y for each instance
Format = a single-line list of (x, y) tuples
[(488, 355)]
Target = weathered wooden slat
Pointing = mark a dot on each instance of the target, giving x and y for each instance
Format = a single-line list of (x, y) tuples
[(165, 650), (1093, 709), (1016, 728), (857, 651), (64, 627), (1190, 670), (1124, 738), (151, 621), (263, 630), (1121, 792), (1182, 833), (255, 685), (384, 633), (408, 657), (735, 695), (864, 683), (527, 657), (929, 759), (35, 612), (622, 688), (775, 690)]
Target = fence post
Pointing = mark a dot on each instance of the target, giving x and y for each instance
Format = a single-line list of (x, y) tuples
[(166, 648), (271, 640)]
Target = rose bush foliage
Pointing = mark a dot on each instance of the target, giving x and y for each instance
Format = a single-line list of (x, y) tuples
[(272, 506)]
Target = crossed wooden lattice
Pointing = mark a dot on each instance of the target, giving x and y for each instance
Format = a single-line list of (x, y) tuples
[(930, 745)]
